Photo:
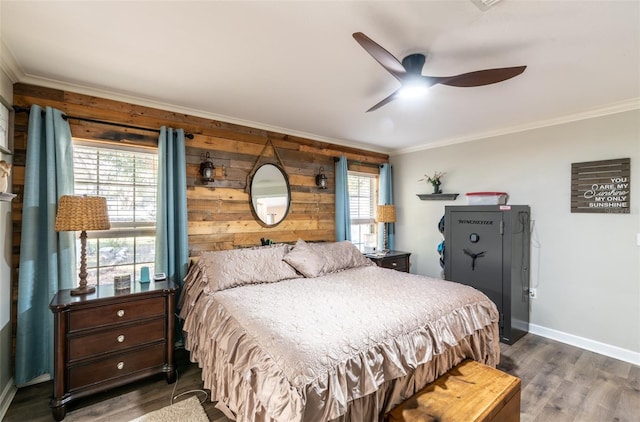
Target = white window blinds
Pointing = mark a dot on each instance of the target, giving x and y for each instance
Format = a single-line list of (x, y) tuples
[(362, 204), (362, 189), (127, 178)]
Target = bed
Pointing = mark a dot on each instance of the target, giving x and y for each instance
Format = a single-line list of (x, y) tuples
[(316, 332)]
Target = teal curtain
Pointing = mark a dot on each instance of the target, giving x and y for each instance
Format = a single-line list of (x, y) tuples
[(172, 248), (343, 224), (385, 197), (47, 258)]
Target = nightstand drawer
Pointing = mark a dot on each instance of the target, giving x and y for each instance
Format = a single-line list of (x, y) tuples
[(395, 260), (115, 313), (116, 366), (115, 339), (396, 263)]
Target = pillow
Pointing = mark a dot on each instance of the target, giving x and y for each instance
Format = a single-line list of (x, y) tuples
[(313, 260), (304, 259), (340, 256), (238, 267)]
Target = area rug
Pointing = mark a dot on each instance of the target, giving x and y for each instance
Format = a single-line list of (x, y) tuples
[(187, 410)]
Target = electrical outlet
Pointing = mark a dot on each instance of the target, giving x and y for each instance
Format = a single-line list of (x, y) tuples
[(533, 293)]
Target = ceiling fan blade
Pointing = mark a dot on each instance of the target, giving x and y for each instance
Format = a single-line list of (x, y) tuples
[(480, 77), (385, 101), (382, 56)]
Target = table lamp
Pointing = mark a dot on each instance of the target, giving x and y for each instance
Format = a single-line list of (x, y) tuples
[(82, 213), (386, 214)]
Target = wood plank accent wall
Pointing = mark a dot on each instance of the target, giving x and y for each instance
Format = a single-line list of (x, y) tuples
[(219, 213)]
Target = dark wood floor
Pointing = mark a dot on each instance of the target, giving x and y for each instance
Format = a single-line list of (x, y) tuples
[(119, 405), (559, 383), (568, 384)]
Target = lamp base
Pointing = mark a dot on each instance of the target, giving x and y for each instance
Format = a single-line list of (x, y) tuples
[(82, 290)]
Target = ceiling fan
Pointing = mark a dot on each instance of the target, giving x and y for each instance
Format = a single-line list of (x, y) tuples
[(409, 72)]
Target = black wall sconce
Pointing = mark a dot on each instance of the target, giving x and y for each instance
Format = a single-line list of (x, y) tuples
[(321, 179), (206, 169)]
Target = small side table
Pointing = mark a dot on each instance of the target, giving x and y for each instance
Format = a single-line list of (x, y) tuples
[(111, 338), (395, 260)]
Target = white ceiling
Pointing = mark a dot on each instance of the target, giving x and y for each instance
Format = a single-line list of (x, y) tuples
[(294, 67)]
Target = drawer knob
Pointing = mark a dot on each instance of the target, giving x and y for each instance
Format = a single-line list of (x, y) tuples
[(120, 365), (120, 338), (121, 313)]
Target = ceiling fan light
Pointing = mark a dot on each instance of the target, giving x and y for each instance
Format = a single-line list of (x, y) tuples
[(415, 90)]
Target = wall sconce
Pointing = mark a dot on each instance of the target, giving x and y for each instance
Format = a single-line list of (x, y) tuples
[(321, 179), (206, 169)]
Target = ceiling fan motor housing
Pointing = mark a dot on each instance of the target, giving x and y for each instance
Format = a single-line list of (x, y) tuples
[(414, 63)]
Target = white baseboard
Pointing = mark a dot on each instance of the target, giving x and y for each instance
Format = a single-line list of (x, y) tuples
[(6, 397), (587, 344)]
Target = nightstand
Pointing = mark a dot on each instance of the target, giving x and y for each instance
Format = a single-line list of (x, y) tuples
[(396, 260), (110, 338)]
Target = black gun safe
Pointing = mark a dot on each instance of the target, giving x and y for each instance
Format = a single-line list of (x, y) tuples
[(487, 247)]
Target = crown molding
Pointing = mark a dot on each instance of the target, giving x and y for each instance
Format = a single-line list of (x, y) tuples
[(115, 96), (16, 74), (613, 108), (9, 65)]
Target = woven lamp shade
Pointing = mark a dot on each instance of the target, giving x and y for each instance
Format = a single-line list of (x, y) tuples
[(76, 213), (386, 214)]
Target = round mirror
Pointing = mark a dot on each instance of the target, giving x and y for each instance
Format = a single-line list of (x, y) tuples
[(270, 195)]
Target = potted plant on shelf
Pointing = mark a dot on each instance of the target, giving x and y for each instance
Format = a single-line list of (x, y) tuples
[(434, 180)]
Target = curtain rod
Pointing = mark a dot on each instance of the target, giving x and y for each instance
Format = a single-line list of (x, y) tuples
[(361, 163), (19, 109)]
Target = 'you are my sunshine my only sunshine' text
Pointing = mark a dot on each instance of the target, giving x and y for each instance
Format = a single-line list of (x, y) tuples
[(610, 195)]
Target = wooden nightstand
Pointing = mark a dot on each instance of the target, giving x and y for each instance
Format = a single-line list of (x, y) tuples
[(110, 338), (396, 260)]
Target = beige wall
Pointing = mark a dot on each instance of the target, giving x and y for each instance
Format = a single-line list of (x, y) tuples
[(586, 267)]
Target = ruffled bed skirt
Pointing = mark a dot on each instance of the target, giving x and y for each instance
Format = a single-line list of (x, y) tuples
[(390, 394), (246, 380)]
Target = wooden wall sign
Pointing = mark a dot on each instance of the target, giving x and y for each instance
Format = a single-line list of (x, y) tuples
[(601, 186)]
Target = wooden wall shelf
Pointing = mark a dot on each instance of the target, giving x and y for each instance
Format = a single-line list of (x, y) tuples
[(437, 196)]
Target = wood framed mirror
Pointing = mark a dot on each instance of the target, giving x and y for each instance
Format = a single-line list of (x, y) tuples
[(270, 195)]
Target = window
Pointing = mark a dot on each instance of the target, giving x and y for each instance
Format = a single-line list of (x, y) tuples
[(127, 177), (362, 205)]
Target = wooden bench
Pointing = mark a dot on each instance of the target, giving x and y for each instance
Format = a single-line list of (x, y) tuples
[(470, 392)]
